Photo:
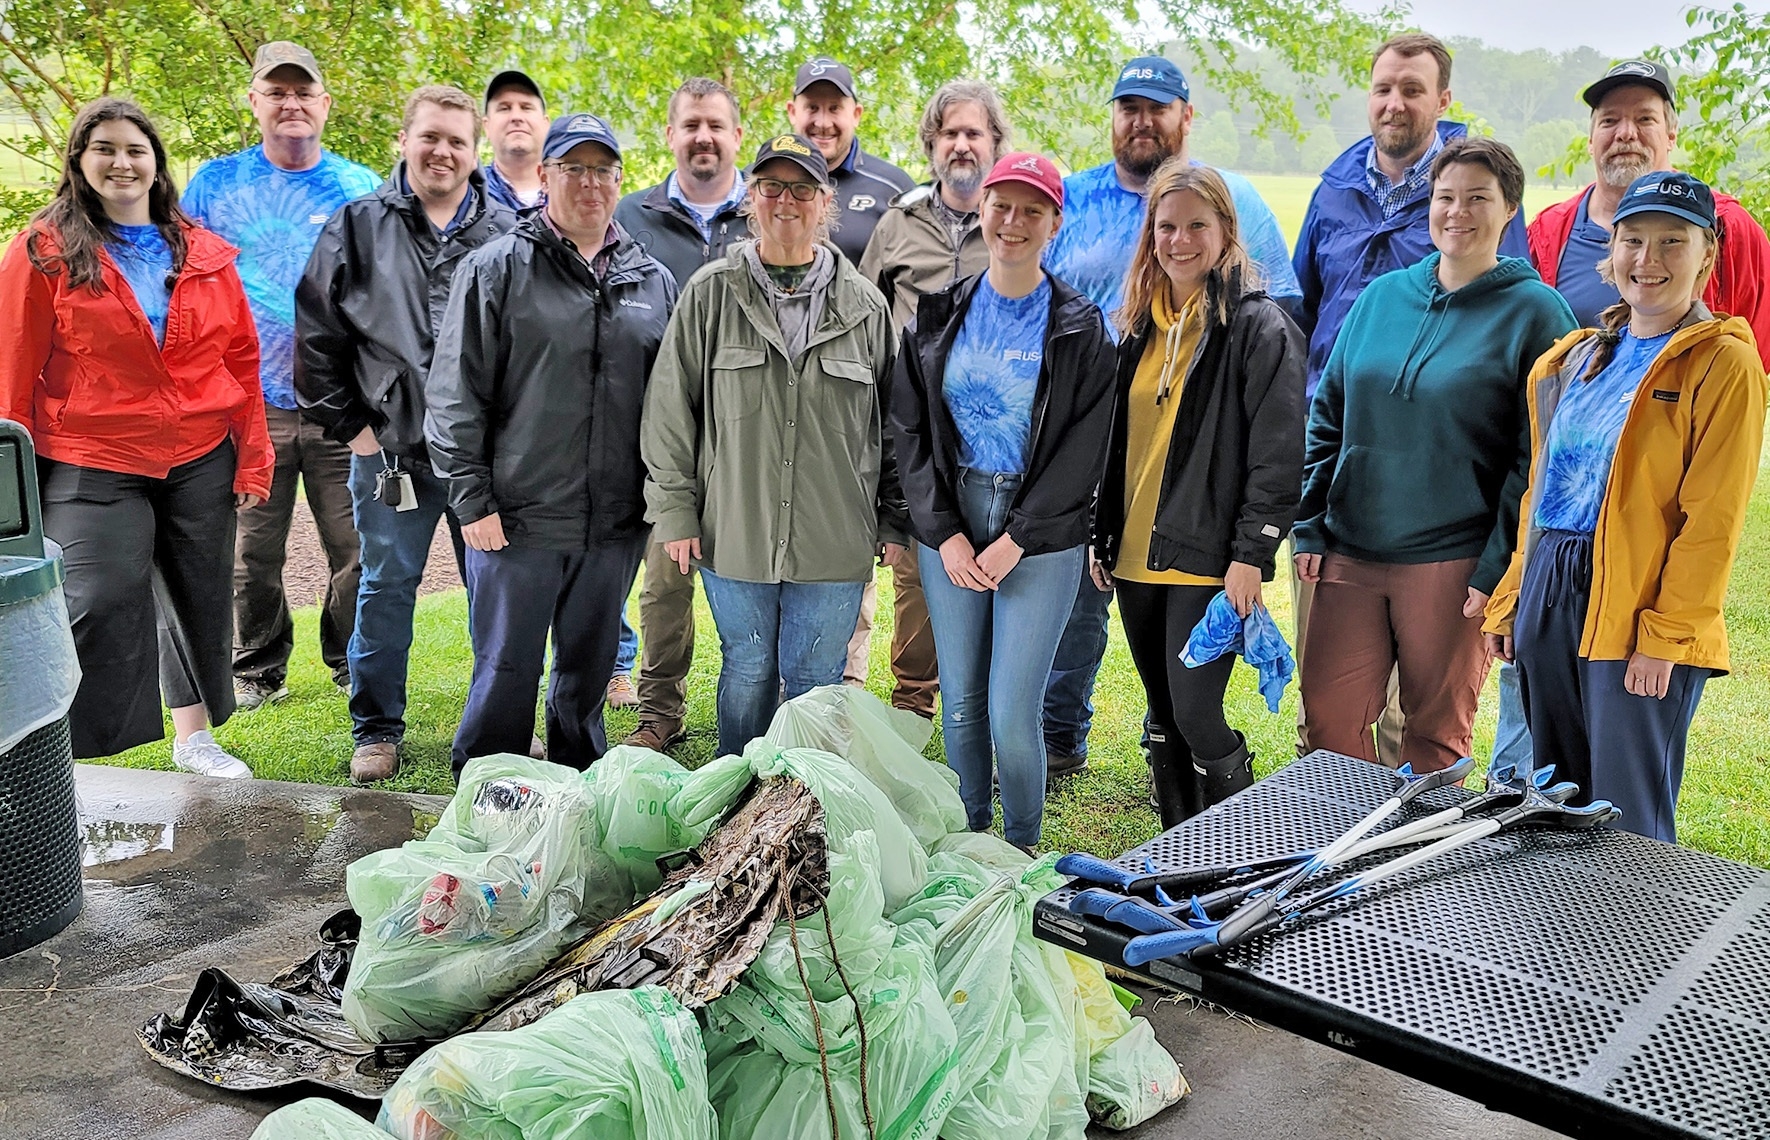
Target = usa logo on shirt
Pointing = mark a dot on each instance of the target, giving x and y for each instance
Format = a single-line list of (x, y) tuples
[(1022, 354)]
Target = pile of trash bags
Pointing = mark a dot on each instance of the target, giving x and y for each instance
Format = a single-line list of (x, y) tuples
[(908, 1001)]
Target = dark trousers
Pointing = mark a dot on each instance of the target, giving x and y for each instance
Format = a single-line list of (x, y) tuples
[(516, 598), (148, 563), (264, 634), (1614, 745), (1158, 621), (1069, 703)]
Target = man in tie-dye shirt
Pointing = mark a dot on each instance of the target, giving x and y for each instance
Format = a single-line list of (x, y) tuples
[(1102, 215), (271, 200)]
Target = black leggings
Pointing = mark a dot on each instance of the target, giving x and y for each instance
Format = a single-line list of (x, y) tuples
[(1158, 621)]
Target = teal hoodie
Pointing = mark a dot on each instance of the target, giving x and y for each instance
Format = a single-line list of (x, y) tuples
[(1418, 446)]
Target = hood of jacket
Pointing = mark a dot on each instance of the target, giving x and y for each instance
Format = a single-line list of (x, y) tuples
[(1435, 302), (1348, 171)]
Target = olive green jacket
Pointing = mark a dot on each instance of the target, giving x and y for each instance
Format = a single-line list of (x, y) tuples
[(781, 468)]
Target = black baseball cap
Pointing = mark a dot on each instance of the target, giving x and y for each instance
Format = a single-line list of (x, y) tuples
[(797, 149), (513, 79), (1669, 192), (1641, 72), (823, 69)]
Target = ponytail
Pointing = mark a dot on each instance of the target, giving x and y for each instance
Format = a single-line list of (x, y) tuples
[(1612, 322)]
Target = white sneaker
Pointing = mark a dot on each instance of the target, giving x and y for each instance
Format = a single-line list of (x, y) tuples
[(200, 754)]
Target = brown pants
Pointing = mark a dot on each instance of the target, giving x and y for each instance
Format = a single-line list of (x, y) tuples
[(1389, 725), (264, 635), (913, 663), (666, 637), (860, 646), (1370, 619)]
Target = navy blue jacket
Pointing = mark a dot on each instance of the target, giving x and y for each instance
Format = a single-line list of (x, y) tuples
[(1346, 243)]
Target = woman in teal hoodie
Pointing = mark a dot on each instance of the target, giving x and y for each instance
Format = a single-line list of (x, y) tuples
[(1418, 450)]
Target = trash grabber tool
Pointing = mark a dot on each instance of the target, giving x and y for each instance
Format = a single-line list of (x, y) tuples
[(1092, 869), (1206, 939)]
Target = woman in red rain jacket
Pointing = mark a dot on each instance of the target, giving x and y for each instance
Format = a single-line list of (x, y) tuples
[(131, 357)]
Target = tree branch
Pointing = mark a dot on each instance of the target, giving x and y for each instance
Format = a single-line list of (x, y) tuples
[(61, 92)]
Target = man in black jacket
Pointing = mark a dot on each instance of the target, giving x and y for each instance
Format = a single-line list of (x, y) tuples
[(534, 405), (366, 315)]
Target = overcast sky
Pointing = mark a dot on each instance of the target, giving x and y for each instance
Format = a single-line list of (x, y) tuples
[(1616, 27)]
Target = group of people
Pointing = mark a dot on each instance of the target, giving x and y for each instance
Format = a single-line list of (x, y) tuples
[(1026, 394)]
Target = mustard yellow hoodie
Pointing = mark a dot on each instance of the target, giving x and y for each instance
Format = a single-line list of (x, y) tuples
[(1675, 504)]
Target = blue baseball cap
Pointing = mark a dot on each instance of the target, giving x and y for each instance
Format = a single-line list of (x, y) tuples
[(1674, 193), (1152, 77), (568, 131)]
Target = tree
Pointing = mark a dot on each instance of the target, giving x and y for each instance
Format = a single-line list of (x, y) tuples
[(1214, 139), (1320, 148), (1729, 145), (1544, 148)]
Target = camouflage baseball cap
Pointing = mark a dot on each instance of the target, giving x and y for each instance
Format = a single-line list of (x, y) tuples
[(282, 53)]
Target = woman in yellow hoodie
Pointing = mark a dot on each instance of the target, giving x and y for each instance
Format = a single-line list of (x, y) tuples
[(1645, 441)]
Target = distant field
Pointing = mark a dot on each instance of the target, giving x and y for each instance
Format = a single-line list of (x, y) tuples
[(1288, 195), (17, 171)]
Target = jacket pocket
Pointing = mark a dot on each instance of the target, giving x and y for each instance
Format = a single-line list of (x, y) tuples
[(739, 374), (848, 396)]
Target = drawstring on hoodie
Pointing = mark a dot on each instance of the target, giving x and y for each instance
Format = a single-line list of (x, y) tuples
[(1170, 360), (1415, 360)]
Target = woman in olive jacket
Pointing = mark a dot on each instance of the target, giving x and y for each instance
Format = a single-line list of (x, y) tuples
[(1204, 470)]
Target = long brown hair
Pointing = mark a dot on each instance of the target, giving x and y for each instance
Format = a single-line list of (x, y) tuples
[(1146, 278), (75, 217), (1614, 320)]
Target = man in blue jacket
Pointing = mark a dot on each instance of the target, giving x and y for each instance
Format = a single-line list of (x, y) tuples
[(1367, 218)]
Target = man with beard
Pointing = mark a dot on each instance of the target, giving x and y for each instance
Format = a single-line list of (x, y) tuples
[(928, 238), (271, 200), (1102, 216), (1634, 124), (824, 109), (684, 222), (1369, 217), (516, 120), (367, 313)]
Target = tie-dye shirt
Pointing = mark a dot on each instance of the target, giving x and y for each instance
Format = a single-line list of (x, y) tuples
[(274, 216), (1101, 222), (992, 376), (1583, 435), (145, 261)]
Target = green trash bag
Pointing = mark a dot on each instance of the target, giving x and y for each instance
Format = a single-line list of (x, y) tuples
[(315, 1119), (613, 1065), (886, 745), (509, 877), (648, 805)]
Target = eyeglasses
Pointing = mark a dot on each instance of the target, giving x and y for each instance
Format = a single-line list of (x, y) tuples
[(774, 188), (604, 175), (303, 98)]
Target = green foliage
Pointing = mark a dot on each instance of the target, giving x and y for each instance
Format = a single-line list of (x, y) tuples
[(1727, 59)]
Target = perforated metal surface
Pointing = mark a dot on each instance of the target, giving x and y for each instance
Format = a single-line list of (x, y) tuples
[(1601, 984), (39, 839)]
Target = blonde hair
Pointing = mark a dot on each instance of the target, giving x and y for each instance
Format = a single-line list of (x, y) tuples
[(1612, 321), (832, 219), (1146, 279)]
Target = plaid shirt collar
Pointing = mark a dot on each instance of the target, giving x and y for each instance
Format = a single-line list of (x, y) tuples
[(1392, 197)]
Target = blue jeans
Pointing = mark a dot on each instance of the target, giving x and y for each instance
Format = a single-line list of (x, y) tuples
[(395, 547), (774, 635), (995, 650), (627, 649), (1069, 705), (1511, 738)]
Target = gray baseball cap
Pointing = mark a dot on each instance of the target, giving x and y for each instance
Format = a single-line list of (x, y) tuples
[(282, 53)]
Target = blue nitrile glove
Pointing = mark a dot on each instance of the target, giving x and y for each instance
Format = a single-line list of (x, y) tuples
[(1256, 638)]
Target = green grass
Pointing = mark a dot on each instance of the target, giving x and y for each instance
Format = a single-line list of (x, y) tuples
[(1725, 807)]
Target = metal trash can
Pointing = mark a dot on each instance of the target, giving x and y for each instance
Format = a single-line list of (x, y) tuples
[(39, 823)]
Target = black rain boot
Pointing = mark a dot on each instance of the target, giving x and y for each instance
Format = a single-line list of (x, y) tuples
[(1175, 784), (1220, 779)]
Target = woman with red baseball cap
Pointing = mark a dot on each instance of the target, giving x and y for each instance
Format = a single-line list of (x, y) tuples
[(1001, 409)]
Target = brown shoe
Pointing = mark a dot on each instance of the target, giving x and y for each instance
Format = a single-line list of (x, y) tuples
[(537, 747), (372, 762), (657, 735), (621, 694)]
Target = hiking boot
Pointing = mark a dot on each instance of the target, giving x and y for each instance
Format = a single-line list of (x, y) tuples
[(251, 694), (621, 694), (372, 762), (1056, 765), (657, 735), (201, 755)]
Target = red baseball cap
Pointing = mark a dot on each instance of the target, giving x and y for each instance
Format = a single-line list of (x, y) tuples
[(1033, 169)]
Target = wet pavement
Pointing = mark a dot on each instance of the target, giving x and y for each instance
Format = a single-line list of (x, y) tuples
[(184, 872)]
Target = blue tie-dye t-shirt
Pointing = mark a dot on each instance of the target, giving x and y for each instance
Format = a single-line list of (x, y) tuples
[(1583, 435), (992, 376), (1102, 220), (145, 261), (274, 216)]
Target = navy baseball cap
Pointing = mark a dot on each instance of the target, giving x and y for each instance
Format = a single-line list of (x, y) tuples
[(1152, 77), (1674, 193), (515, 79), (568, 131), (823, 69), (798, 150)]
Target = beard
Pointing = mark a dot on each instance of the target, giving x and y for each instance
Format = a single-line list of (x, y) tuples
[(963, 178), (1142, 161), (701, 172), (1402, 140), (1619, 169)]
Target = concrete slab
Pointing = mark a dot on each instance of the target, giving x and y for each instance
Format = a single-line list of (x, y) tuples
[(185, 872)]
